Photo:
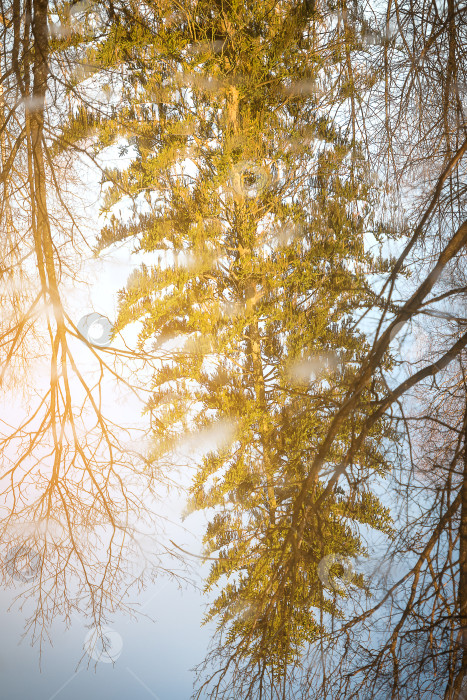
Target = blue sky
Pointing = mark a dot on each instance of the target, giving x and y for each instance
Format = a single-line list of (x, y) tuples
[(155, 660)]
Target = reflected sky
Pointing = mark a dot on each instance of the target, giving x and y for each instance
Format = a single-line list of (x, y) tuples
[(155, 660)]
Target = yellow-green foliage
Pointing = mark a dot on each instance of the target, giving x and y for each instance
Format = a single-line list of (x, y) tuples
[(267, 279)]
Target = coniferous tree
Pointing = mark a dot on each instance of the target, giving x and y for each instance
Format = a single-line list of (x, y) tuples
[(258, 202)]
